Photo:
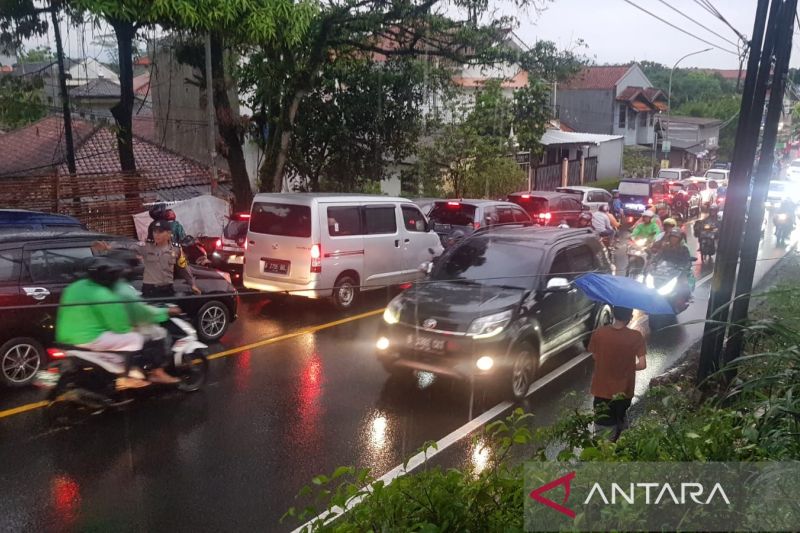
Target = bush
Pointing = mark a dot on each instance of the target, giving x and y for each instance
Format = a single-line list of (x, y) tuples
[(608, 184)]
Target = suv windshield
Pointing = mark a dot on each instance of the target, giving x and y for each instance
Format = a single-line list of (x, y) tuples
[(491, 262), (634, 188), (281, 219), (454, 214)]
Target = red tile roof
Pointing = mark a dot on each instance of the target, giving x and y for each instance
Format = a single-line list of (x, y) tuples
[(519, 80), (141, 84), (728, 74), (39, 149), (597, 77)]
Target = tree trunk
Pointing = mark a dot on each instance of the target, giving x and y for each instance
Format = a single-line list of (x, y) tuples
[(277, 150), (123, 111), (228, 126)]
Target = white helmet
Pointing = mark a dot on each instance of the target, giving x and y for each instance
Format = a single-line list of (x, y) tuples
[(648, 213)]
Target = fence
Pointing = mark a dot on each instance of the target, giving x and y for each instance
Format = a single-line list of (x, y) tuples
[(104, 203), (548, 177)]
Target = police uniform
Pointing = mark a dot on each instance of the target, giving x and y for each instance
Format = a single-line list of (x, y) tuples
[(160, 265)]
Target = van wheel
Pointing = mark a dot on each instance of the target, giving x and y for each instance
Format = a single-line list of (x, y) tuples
[(345, 292), (524, 365), (20, 360)]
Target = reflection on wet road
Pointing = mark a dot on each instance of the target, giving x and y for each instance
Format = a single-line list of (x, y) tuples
[(234, 455)]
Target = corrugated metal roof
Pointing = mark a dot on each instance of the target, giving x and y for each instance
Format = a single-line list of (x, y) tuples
[(571, 137)]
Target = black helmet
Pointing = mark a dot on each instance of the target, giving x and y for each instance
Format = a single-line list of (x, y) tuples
[(105, 271), (163, 225), (585, 216), (604, 208), (675, 232), (157, 211)]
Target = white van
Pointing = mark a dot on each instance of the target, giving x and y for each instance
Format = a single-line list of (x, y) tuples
[(320, 245)]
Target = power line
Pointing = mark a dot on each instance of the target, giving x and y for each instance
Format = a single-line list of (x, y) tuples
[(708, 6), (681, 29), (684, 15)]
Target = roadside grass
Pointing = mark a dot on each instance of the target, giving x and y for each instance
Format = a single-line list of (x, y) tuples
[(608, 184), (752, 416)]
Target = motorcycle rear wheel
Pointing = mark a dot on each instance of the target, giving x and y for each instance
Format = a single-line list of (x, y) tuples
[(194, 372)]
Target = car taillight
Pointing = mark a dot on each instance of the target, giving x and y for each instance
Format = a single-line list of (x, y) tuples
[(218, 244), (55, 353), (525, 196), (545, 216), (454, 204), (316, 259), (476, 225)]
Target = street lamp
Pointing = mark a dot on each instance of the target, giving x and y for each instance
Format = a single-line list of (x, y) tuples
[(669, 90)]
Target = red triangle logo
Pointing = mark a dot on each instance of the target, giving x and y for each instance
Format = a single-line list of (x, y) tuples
[(565, 480)]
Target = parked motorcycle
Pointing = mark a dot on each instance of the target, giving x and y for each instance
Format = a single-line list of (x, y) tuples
[(783, 227), (83, 382), (638, 255), (708, 242)]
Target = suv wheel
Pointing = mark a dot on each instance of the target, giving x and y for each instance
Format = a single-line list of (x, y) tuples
[(345, 292), (523, 369), (20, 359), (212, 321)]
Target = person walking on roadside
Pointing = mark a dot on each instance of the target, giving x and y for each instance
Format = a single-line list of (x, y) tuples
[(618, 352)]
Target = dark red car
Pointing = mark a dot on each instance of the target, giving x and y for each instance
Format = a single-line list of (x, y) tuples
[(549, 208)]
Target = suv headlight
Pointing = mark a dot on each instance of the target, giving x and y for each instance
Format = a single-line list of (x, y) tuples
[(490, 325), (391, 315)]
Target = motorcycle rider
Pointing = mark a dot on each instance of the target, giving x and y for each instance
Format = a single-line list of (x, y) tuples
[(178, 233), (712, 219), (92, 315), (616, 205), (675, 252), (646, 228), (788, 208), (584, 221), (615, 224), (669, 225), (602, 224)]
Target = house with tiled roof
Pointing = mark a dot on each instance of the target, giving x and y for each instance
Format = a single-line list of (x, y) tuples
[(38, 150), (612, 100)]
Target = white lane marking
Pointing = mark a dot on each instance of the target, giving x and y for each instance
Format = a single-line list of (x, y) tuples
[(446, 442)]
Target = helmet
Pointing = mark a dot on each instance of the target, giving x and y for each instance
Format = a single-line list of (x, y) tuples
[(162, 225), (675, 232), (105, 271), (615, 192), (585, 216), (157, 211), (648, 213), (604, 208), (713, 208), (671, 222), (169, 214)]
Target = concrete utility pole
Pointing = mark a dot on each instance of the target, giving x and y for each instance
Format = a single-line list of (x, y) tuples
[(62, 84), (753, 96), (212, 137), (755, 214)]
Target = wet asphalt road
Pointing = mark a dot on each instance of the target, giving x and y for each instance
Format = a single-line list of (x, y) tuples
[(234, 455)]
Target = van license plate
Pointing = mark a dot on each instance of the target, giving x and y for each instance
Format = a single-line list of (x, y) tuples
[(276, 266), (426, 344)]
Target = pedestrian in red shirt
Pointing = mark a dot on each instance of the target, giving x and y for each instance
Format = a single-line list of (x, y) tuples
[(619, 352)]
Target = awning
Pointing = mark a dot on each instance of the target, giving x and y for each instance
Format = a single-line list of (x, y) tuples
[(640, 106)]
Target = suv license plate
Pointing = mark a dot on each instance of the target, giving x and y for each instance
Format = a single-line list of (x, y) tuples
[(425, 343), (236, 259), (276, 266)]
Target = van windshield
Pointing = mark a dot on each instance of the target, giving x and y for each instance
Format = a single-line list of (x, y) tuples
[(716, 175), (669, 174), (634, 188), (281, 219)]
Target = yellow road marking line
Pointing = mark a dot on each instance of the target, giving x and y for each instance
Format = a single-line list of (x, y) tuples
[(227, 353)]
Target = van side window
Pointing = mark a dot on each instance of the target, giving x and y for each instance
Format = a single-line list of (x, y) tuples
[(344, 221), (413, 219), (380, 220)]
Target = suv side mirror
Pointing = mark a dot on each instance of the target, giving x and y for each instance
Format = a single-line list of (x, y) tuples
[(558, 285)]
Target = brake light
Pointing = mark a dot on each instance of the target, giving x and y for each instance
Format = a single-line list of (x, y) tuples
[(55, 353), (245, 245), (476, 225), (545, 216), (218, 244), (242, 216), (316, 259), (454, 204), (526, 196)]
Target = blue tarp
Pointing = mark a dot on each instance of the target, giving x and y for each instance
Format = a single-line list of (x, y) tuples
[(622, 291)]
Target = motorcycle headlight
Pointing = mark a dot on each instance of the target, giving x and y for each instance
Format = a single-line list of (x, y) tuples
[(649, 281), (490, 325), (640, 242), (782, 217), (668, 287), (391, 315)]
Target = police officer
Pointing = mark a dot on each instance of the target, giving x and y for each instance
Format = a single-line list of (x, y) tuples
[(161, 259)]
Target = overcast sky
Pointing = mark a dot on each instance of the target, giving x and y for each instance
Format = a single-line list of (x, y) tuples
[(617, 32)]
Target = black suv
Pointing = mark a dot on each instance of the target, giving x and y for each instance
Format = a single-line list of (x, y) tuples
[(35, 267), (496, 306), (548, 208)]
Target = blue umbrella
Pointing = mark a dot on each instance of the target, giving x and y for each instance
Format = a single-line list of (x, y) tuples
[(621, 291)]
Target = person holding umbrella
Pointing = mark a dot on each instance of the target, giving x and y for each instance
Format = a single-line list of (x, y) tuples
[(619, 352)]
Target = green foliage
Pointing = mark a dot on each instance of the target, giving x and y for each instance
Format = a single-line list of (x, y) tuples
[(722, 107), (472, 151), (20, 20), (688, 85), (608, 184), (635, 164), (20, 102), (37, 55)]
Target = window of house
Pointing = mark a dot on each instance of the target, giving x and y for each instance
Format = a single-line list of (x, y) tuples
[(643, 119), (651, 118), (622, 112), (380, 220)]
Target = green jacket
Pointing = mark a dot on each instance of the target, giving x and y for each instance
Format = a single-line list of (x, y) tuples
[(139, 312), (79, 324), (648, 231)]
